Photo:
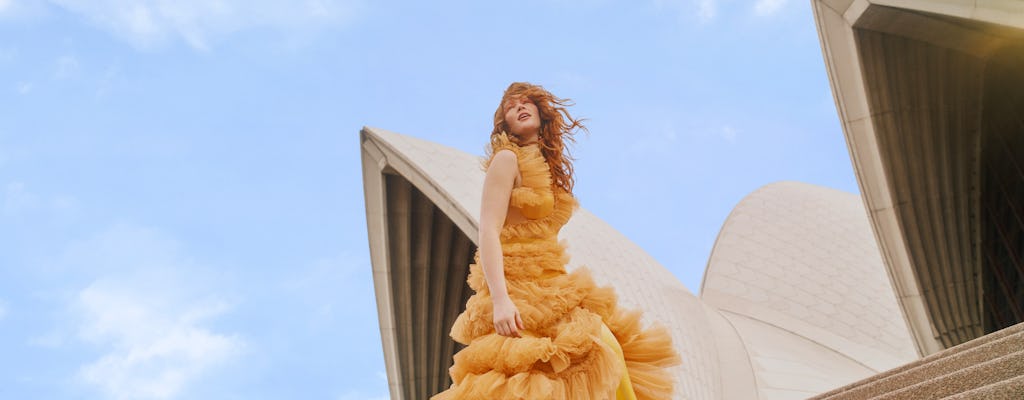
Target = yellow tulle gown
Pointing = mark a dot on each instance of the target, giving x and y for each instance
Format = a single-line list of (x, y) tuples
[(577, 344)]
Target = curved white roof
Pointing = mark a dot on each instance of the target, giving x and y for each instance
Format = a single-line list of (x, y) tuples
[(799, 261)]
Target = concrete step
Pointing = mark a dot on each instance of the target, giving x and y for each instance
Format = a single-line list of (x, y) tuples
[(1012, 389), (967, 378), (976, 352)]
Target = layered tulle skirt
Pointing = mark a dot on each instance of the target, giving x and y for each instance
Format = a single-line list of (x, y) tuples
[(561, 354)]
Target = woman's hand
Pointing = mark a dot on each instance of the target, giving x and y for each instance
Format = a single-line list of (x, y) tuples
[(507, 321)]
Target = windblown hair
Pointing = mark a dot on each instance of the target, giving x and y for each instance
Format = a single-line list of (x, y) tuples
[(556, 127)]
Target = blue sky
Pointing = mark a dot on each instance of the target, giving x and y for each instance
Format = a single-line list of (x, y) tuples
[(181, 209)]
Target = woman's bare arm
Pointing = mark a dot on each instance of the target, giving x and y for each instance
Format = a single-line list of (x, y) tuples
[(498, 184)]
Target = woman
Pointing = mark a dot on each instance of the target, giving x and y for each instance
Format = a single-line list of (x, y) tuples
[(532, 330)]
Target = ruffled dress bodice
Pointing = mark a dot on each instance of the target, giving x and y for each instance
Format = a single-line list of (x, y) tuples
[(534, 198), (546, 206)]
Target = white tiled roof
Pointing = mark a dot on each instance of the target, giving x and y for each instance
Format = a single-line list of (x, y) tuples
[(802, 259)]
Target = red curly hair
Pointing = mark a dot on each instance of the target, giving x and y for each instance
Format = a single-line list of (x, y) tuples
[(556, 127)]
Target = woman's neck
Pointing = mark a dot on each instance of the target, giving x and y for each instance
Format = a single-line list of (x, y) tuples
[(528, 140)]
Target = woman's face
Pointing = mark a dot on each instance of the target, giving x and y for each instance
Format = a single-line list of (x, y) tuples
[(522, 117)]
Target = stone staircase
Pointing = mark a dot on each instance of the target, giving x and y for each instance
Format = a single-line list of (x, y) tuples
[(990, 367)]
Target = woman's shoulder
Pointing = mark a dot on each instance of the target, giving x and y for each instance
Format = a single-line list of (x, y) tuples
[(501, 141), (499, 144)]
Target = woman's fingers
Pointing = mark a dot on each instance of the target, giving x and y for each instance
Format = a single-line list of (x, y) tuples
[(507, 320), (507, 328)]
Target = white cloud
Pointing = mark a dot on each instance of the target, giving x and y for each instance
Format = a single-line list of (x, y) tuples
[(24, 87), (157, 346), (3, 309), (21, 9), (67, 67), (766, 8), (704, 10), (146, 23), (147, 308), (729, 134)]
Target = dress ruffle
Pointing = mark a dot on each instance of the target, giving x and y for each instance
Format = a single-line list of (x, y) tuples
[(534, 196), (499, 142), (561, 354), (564, 361)]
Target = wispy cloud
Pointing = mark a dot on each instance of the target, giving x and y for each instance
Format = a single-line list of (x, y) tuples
[(157, 346), (704, 10), (707, 10), (23, 88), (728, 133), (148, 311), (3, 309), (21, 9), (146, 23), (766, 8)]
